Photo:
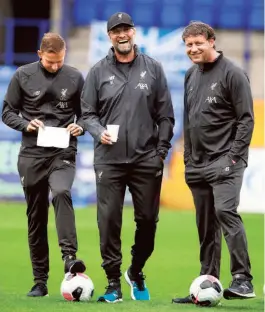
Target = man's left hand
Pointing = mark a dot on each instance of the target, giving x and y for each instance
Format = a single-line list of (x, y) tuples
[(74, 129)]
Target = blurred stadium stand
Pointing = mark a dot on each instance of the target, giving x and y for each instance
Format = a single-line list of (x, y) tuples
[(239, 25), (224, 14)]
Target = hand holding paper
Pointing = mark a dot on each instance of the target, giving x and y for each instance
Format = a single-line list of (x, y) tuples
[(34, 125), (53, 137), (74, 129)]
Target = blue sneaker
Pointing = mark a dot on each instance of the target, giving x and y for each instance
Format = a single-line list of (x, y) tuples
[(139, 290), (113, 292)]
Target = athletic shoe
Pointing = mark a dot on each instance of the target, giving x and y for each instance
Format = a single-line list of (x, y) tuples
[(113, 292), (139, 291), (239, 288), (73, 265), (38, 290), (184, 300)]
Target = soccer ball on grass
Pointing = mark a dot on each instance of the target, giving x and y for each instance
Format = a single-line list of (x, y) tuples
[(77, 287), (206, 290)]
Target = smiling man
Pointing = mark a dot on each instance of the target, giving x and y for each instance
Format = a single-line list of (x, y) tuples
[(129, 89), (218, 126)]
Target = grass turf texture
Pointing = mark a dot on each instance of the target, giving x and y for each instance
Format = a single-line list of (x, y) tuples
[(169, 271)]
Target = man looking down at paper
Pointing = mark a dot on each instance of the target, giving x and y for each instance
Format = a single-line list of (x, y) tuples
[(43, 102)]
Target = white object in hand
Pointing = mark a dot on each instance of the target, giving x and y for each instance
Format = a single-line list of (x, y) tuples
[(53, 137), (113, 131)]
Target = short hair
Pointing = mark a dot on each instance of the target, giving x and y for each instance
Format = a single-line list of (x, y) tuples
[(197, 28), (52, 43)]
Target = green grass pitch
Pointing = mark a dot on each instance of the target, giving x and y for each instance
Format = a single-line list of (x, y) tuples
[(170, 270)]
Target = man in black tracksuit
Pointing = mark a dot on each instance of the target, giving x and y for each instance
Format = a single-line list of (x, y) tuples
[(47, 93), (218, 126), (129, 89)]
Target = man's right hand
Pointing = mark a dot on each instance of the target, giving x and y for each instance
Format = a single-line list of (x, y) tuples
[(105, 138), (34, 125)]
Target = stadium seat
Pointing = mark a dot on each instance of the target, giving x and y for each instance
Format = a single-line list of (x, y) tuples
[(257, 3), (203, 12), (233, 14), (173, 2), (144, 2), (204, 2), (234, 3), (143, 15), (173, 16), (231, 19), (84, 12), (256, 19), (109, 7), (256, 15)]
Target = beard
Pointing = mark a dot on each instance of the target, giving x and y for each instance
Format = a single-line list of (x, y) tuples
[(124, 48)]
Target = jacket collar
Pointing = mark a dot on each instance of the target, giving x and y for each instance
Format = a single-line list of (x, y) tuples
[(46, 73), (208, 66)]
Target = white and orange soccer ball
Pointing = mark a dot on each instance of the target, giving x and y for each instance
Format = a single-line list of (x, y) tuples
[(77, 287), (206, 290)]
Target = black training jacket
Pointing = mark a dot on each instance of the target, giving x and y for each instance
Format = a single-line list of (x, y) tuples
[(218, 112), (34, 93), (137, 99)]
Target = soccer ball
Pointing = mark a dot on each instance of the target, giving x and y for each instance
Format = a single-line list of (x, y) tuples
[(77, 287), (206, 290)]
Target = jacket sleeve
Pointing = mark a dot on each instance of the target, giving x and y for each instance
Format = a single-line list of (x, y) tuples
[(12, 106), (89, 101), (78, 113), (164, 114), (241, 97)]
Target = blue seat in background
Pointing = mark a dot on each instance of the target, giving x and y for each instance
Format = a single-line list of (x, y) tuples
[(231, 19), (256, 15), (257, 3), (227, 14), (234, 3), (108, 7), (144, 12), (84, 12), (173, 2), (144, 2), (203, 13), (256, 19), (233, 14), (204, 2), (143, 15), (173, 16)]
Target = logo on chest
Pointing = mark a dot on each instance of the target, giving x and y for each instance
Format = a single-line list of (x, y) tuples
[(111, 80), (63, 94), (142, 84), (63, 104), (211, 99), (213, 85)]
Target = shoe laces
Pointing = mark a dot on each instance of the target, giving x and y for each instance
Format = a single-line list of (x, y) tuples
[(114, 285), (139, 280)]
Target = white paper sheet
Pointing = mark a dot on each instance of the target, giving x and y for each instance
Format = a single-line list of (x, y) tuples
[(53, 137)]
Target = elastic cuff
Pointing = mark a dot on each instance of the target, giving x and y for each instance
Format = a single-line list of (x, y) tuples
[(162, 153)]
